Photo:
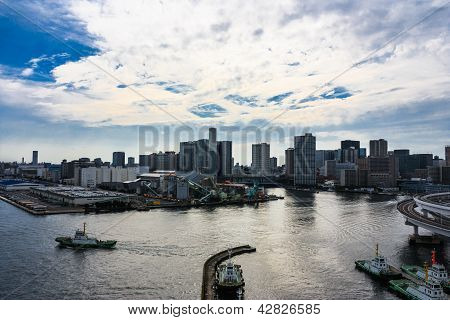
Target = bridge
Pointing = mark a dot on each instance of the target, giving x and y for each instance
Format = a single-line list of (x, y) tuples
[(430, 221), (209, 268)]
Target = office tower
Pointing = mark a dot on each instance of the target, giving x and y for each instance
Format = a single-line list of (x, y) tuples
[(401, 156), (143, 160), (98, 162), (345, 156), (349, 155), (261, 158), (187, 156), (322, 156), (289, 162), (201, 155), (447, 156), (305, 160), (212, 152), (273, 163), (330, 169), (130, 161), (118, 159), (35, 158), (166, 161), (378, 148), (225, 149), (362, 153)]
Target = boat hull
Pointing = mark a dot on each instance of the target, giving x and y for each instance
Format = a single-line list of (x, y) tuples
[(412, 271), (398, 287), (68, 242), (229, 292), (384, 276)]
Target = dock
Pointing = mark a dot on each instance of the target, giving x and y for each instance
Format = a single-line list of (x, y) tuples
[(209, 268)]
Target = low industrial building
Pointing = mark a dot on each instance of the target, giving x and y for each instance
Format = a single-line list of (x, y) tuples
[(16, 184), (76, 196)]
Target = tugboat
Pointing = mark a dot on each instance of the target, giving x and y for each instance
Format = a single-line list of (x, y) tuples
[(229, 283), (429, 290), (378, 268), (438, 272), (81, 241)]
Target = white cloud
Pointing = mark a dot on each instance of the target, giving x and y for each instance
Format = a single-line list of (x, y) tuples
[(27, 72), (210, 49)]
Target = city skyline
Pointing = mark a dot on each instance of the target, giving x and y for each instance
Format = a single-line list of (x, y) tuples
[(95, 86), (281, 157)]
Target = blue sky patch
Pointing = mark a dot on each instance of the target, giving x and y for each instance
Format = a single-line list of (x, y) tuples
[(336, 93), (209, 110), (280, 97), (34, 52), (242, 101)]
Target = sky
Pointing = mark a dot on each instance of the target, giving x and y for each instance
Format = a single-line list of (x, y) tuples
[(85, 78)]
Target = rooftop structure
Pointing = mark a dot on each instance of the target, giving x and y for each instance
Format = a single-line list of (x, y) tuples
[(16, 184), (77, 195)]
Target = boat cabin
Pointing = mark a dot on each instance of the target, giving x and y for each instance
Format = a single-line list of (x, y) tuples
[(379, 262), (439, 273), (432, 289)]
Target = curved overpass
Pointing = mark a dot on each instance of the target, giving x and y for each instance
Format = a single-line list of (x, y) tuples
[(438, 224)]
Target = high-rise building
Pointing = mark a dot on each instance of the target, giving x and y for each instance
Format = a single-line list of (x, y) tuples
[(225, 149), (213, 157), (347, 144), (322, 156), (35, 158), (201, 156), (447, 156), (98, 162), (349, 155), (349, 151), (187, 155), (273, 163), (143, 160), (130, 161), (401, 156), (362, 153), (305, 160), (289, 162), (118, 159), (261, 158), (378, 148), (166, 161)]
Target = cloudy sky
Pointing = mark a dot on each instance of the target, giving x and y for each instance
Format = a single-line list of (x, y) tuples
[(78, 78)]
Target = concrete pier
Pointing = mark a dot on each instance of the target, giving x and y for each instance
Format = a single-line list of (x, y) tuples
[(209, 268)]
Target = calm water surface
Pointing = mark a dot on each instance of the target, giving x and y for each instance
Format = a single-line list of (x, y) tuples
[(306, 248)]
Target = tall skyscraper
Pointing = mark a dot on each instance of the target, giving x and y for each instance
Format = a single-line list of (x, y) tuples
[(118, 159), (201, 156), (447, 156), (213, 157), (305, 160), (378, 148), (225, 149), (349, 156), (322, 156), (261, 158), (289, 162), (187, 155), (35, 158), (130, 161)]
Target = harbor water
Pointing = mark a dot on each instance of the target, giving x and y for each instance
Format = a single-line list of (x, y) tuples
[(306, 247)]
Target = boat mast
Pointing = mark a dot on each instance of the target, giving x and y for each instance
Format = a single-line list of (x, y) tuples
[(376, 250), (425, 266)]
